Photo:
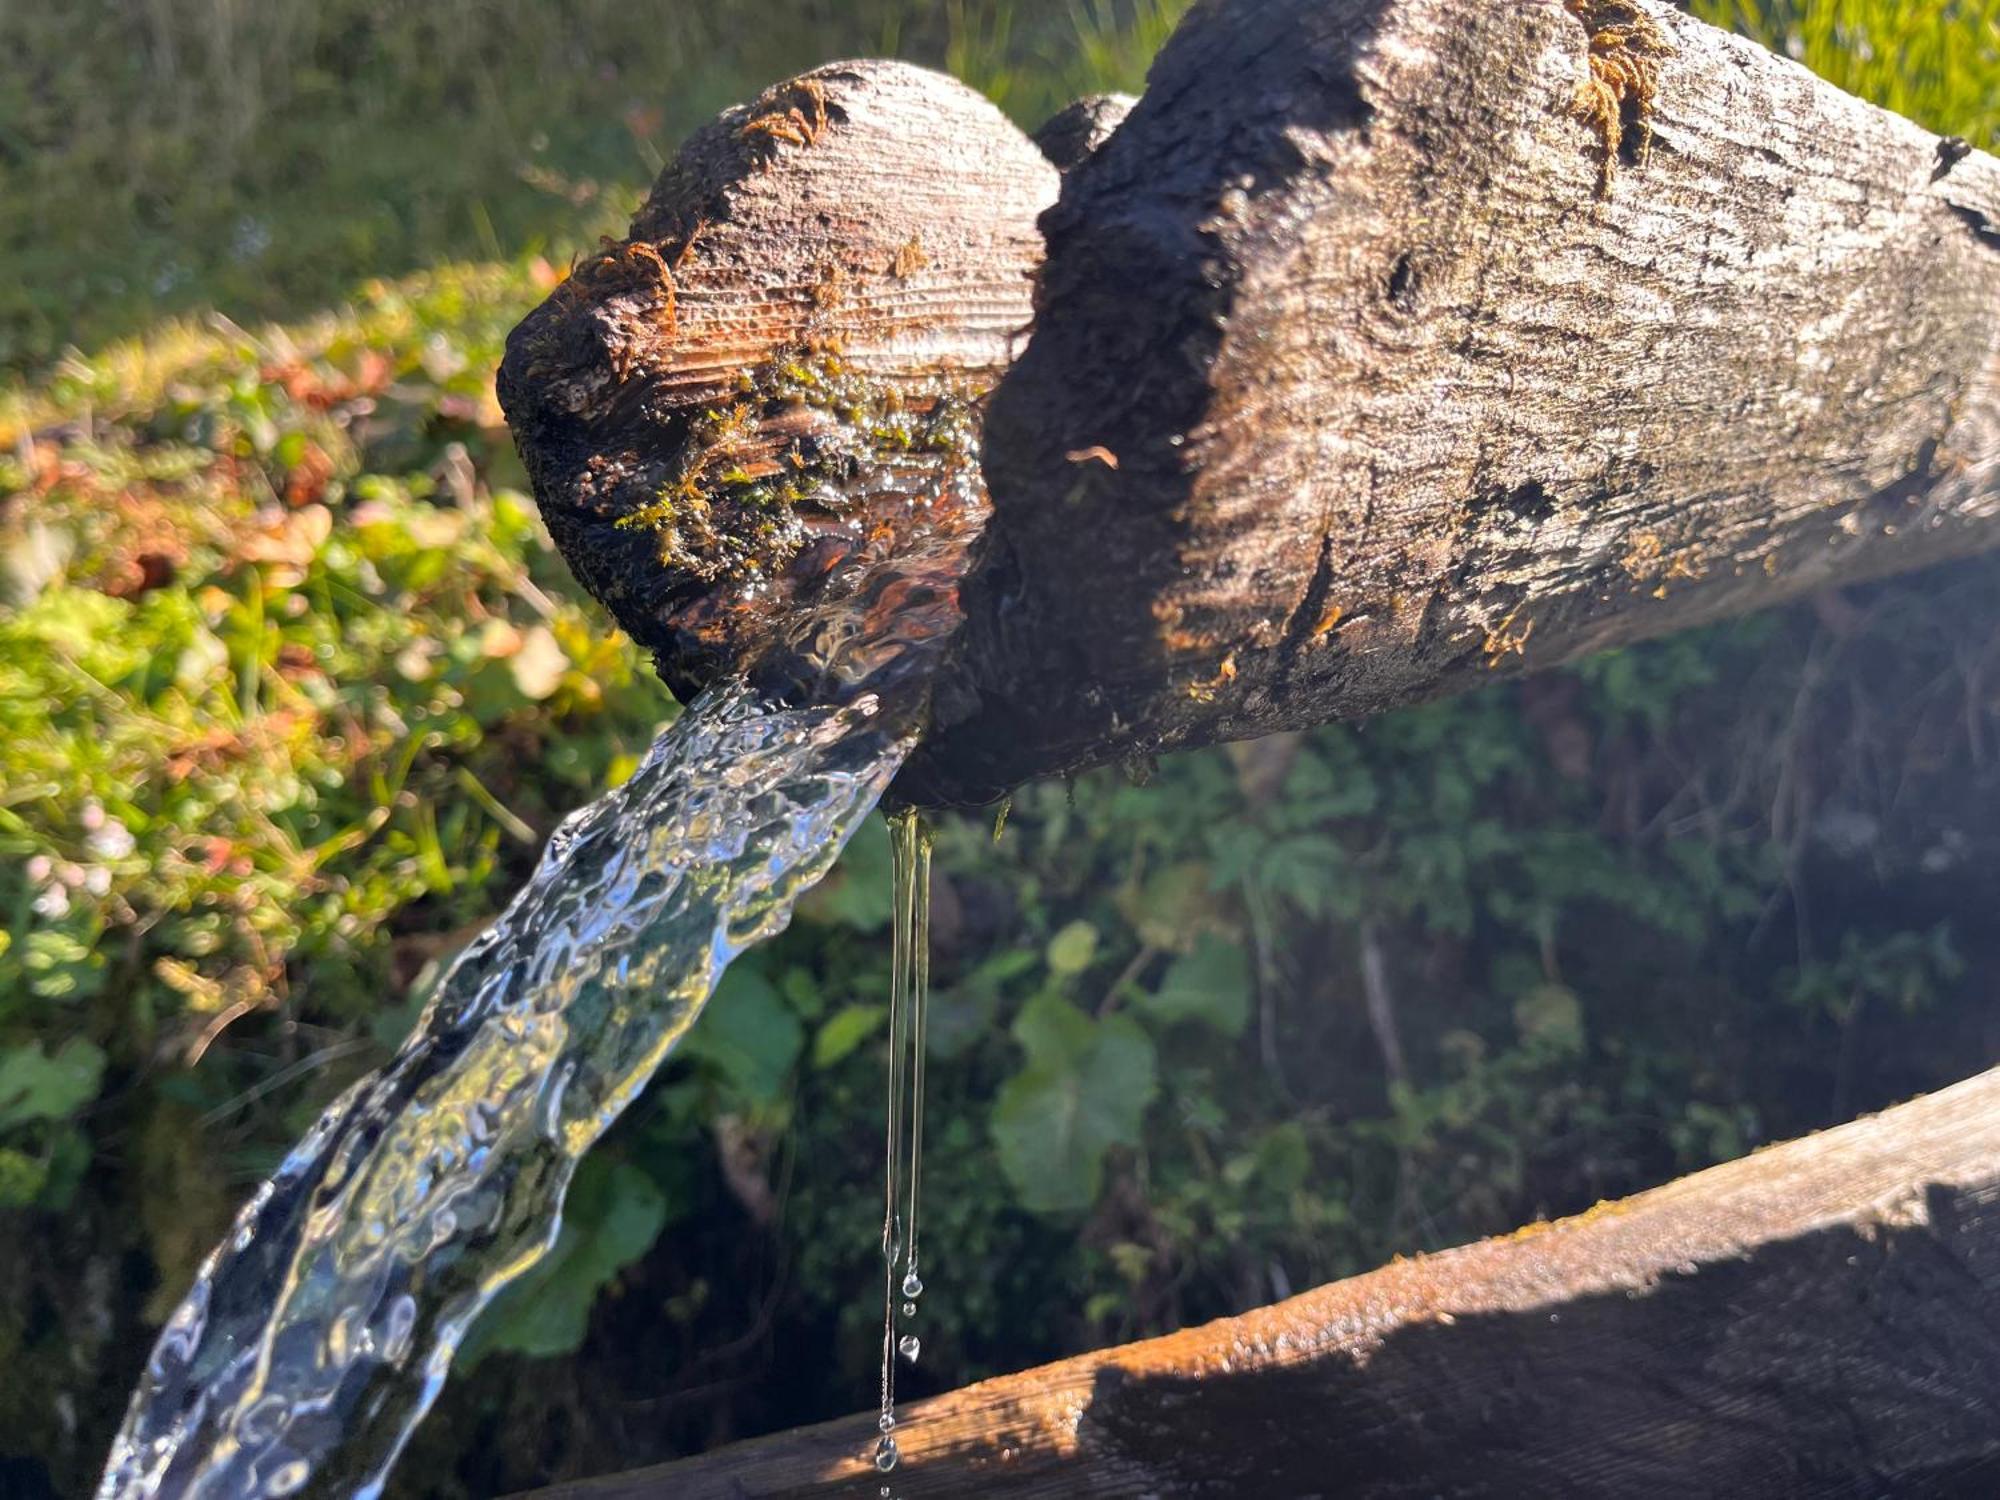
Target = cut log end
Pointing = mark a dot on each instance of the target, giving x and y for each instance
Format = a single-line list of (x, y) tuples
[(766, 382)]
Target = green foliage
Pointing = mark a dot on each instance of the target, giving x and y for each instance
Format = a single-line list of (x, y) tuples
[(749, 1036), (1908, 971), (1071, 950), (42, 1151), (1937, 61), (1084, 1090), (34, 1086), (1212, 985), (613, 1214), (848, 1028)]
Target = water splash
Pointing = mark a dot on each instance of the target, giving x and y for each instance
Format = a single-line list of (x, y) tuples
[(316, 1337)]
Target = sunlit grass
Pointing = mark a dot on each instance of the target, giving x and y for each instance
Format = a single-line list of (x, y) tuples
[(263, 159), (1937, 63)]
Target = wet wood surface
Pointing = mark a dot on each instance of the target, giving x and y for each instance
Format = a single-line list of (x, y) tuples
[(832, 259)]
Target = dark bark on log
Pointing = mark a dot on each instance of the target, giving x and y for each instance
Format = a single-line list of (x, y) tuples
[(1819, 1319), (1384, 378), (1070, 135)]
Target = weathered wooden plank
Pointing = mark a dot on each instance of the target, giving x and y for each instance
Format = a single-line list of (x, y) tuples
[(1821, 1318)]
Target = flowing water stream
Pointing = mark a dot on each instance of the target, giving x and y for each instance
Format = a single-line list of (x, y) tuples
[(319, 1333)]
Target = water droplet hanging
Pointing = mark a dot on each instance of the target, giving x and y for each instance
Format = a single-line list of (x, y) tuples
[(909, 1003)]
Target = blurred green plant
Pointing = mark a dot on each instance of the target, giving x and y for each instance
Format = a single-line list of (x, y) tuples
[(166, 155), (291, 689), (1937, 61)]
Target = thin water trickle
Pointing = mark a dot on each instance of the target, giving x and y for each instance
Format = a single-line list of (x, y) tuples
[(909, 1006), (918, 951), (902, 843)]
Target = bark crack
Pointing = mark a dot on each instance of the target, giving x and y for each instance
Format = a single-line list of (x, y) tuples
[(1311, 619), (1979, 222)]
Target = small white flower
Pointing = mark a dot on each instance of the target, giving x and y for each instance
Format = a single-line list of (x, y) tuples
[(113, 840)]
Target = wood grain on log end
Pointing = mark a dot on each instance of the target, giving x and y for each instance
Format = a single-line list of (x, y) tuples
[(1821, 1318), (1390, 344), (821, 265)]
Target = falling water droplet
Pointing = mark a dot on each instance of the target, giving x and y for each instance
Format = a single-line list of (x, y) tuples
[(912, 1287), (902, 843), (909, 1346), (909, 1309)]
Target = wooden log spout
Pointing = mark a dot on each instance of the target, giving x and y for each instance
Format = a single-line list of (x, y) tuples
[(1385, 346), (1820, 1319)]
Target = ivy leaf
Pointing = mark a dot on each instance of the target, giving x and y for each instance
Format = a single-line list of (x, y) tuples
[(35, 1086), (1211, 985), (1084, 1090), (849, 1028), (1071, 950), (857, 891), (749, 1035)]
